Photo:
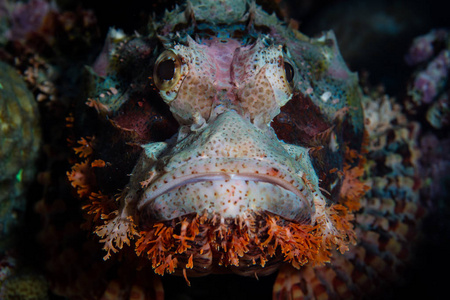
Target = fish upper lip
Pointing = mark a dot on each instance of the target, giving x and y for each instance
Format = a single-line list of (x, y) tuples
[(260, 171)]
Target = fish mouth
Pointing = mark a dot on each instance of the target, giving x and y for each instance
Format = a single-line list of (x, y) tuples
[(230, 188)]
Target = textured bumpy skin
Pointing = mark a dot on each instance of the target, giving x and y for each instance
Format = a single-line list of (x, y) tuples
[(228, 142)]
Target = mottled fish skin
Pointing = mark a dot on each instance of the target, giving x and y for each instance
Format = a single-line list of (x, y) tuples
[(246, 152)]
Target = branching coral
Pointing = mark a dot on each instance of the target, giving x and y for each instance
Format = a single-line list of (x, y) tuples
[(115, 233), (99, 205), (80, 178), (353, 188), (85, 148)]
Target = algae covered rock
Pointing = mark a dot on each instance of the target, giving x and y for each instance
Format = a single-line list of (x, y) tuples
[(20, 138), (24, 287)]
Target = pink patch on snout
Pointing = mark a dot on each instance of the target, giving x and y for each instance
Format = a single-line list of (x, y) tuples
[(221, 52)]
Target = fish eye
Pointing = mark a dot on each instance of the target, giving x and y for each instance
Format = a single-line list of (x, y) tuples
[(289, 71), (167, 70)]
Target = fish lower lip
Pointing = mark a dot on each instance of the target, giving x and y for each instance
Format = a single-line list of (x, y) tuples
[(189, 179)]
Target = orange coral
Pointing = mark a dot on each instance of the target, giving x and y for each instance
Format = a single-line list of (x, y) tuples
[(99, 205), (85, 148), (115, 232), (80, 177), (156, 244), (98, 163), (169, 244), (353, 188)]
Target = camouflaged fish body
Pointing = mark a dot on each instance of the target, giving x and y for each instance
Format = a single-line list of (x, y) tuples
[(257, 165)]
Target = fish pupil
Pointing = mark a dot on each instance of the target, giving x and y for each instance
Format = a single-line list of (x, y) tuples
[(289, 70), (166, 69)]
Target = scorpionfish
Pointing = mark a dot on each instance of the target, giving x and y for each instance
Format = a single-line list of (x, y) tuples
[(224, 141)]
